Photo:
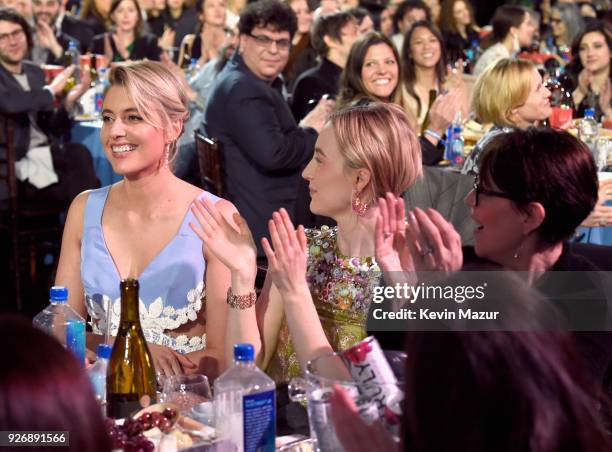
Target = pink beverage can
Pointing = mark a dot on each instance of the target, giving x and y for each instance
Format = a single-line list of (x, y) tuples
[(368, 366)]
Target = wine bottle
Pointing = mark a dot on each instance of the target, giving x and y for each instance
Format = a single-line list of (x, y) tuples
[(130, 382)]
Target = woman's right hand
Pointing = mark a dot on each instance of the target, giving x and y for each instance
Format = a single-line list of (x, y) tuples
[(434, 243), (584, 81), (287, 261), (234, 248), (169, 362)]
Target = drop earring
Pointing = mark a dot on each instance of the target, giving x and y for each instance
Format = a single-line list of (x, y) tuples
[(358, 206)]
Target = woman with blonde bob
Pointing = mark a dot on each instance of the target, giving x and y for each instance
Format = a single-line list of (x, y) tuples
[(510, 95), (139, 228), (319, 283)]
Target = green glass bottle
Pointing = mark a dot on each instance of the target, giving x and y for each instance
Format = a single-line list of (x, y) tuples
[(130, 382)]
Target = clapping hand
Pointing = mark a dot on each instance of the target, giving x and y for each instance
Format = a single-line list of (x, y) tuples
[(46, 39), (433, 242), (287, 260), (78, 90), (233, 247), (392, 253)]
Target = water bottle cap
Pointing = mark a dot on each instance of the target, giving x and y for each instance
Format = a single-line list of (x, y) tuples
[(58, 294), (589, 112), (244, 352), (104, 351), (71, 45), (194, 61), (457, 129)]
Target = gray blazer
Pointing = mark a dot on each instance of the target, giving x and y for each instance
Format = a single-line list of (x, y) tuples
[(444, 191)]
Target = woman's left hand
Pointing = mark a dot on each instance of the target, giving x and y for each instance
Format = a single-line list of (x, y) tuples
[(287, 260), (605, 96), (434, 243), (354, 434)]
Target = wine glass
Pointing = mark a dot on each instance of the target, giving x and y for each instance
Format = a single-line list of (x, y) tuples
[(186, 391)]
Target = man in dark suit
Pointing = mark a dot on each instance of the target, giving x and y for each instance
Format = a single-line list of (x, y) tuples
[(332, 37), (263, 148), (49, 171)]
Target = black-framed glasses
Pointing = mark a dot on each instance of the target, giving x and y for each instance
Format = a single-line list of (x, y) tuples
[(16, 34), (478, 190), (266, 41)]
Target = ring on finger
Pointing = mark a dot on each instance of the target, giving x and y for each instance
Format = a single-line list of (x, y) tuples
[(426, 251), (386, 234)]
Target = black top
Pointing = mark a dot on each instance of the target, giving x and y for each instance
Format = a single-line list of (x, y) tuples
[(144, 46), (73, 26), (455, 45), (322, 79), (95, 24), (586, 285), (185, 24)]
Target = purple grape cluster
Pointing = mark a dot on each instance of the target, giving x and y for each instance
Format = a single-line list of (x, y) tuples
[(129, 436)]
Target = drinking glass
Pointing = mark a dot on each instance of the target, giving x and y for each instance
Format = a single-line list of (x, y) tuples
[(602, 152), (186, 391)]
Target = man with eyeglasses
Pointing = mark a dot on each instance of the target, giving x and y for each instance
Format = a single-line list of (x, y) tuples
[(49, 172), (263, 148)]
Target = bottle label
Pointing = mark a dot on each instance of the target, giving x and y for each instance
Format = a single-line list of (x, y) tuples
[(75, 340), (120, 406), (259, 422)]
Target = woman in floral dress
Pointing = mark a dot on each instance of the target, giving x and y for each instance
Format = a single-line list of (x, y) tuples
[(320, 282)]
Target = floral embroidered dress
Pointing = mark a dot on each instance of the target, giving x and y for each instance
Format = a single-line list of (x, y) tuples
[(341, 289), (171, 286)]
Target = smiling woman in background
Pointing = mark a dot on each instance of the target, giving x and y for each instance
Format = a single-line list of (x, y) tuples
[(588, 75), (127, 40)]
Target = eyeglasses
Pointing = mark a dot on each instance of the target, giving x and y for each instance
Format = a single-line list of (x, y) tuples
[(478, 190), (554, 20), (265, 41), (16, 35)]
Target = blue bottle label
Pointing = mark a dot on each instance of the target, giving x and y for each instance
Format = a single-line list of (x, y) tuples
[(259, 422), (75, 339)]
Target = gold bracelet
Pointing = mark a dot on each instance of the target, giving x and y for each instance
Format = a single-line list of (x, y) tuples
[(240, 301)]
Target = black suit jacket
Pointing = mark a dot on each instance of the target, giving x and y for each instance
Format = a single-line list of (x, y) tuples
[(77, 28), (263, 149), (17, 103), (311, 85)]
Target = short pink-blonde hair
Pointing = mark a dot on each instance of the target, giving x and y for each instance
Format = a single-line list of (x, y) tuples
[(378, 137), (157, 93)]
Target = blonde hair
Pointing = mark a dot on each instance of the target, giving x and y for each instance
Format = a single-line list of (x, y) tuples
[(378, 137), (501, 88), (157, 93)]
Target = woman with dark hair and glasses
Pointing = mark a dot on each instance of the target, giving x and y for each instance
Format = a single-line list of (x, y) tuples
[(533, 189)]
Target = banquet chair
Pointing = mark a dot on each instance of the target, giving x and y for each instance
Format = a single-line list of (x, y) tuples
[(30, 229), (209, 158)]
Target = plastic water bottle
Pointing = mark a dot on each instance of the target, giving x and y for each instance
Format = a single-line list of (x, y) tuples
[(97, 372), (245, 407), (457, 145), (60, 321), (588, 128), (99, 88), (73, 57), (192, 69)]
